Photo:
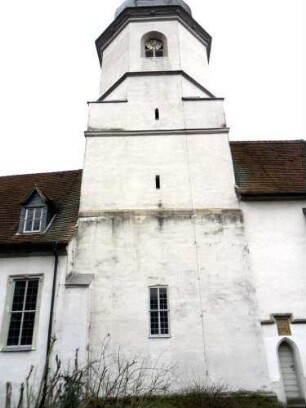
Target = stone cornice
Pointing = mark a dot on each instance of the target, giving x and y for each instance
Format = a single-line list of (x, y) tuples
[(163, 213), (153, 132)]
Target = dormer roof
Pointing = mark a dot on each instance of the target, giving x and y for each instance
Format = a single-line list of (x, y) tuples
[(35, 191), (62, 189)]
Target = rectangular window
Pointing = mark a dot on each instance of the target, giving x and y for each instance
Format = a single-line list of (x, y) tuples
[(33, 219), (22, 312), (159, 312)]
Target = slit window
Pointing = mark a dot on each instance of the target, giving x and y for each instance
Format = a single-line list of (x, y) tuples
[(159, 312), (157, 182), (156, 114), (22, 312), (154, 48)]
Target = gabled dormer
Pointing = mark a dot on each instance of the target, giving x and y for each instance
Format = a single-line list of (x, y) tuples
[(36, 213)]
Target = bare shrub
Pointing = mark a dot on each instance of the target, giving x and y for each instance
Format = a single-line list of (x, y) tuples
[(112, 381), (115, 381)]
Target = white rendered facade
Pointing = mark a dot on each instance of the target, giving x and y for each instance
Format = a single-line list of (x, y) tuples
[(278, 262), (15, 365)]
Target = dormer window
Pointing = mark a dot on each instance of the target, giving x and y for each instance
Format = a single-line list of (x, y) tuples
[(36, 213), (154, 48), (33, 219)]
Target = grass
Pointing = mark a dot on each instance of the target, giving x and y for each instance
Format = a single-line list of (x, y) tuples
[(191, 400)]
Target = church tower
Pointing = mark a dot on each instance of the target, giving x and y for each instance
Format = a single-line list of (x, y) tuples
[(160, 226)]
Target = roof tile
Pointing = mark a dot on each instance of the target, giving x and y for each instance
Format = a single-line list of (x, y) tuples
[(270, 167), (62, 188)]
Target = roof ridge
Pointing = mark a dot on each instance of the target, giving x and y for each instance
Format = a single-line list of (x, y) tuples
[(41, 173)]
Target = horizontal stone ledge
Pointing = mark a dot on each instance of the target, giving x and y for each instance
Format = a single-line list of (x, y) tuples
[(110, 101), (299, 321), (199, 99), (161, 213), (154, 132), (267, 322), (288, 316)]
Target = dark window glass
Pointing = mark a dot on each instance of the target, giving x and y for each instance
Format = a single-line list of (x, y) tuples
[(159, 312), (163, 299), (153, 299), (18, 299), (164, 327), (27, 329), (22, 315), (154, 323), (149, 54), (31, 295), (14, 329)]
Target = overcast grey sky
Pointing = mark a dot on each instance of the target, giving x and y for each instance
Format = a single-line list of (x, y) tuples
[(49, 70)]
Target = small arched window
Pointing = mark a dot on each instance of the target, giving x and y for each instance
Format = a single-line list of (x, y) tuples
[(154, 45), (154, 48)]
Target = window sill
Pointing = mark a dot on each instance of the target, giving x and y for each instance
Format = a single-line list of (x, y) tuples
[(31, 232), (160, 336), (16, 348)]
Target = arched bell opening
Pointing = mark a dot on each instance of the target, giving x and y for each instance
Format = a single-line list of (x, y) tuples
[(154, 45)]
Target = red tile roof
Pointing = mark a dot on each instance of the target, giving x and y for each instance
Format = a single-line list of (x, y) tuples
[(270, 169), (61, 188)]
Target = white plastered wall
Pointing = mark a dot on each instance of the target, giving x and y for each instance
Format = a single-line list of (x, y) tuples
[(15, 366), (123, 54), (120, 172), (143, 94), (190, 254), (276, 233)]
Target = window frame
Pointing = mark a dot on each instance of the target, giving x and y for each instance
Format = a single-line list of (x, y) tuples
[(154, 35), (26, 218), (159, 335), (8, 311), (154, 51)]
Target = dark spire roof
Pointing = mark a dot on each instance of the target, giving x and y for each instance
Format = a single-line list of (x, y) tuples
[(151, 3)]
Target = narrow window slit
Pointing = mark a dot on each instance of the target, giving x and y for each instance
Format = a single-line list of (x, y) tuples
[(157, 182), (156, 114)]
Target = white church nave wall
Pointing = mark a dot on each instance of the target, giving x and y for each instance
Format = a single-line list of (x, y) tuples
[(15, 365), (276, 233)]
